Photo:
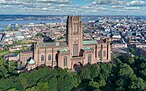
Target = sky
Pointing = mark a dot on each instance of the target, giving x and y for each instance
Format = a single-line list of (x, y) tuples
[(73, 7)]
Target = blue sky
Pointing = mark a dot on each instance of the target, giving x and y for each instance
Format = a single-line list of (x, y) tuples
[(73, 7)]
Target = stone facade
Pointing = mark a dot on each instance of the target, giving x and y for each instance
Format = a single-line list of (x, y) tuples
[(74, 52), (25, 56)]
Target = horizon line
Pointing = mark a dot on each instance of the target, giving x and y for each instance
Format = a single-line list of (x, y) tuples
[(70, 15)]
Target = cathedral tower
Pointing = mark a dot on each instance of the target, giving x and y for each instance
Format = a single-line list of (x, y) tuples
[(74, 34)]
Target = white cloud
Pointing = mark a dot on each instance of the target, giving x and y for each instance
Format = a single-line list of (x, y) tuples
[(132, 8), (137, 3), (117, 6), (108, 2), (53, 1), (66, 7)]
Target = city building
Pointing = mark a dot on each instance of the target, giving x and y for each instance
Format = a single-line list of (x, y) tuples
[(12, 57), (71, 53)]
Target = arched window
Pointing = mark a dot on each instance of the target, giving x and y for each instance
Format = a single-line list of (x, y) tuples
[(104, 53), (65, 61), (42, 58), (89, 58), (83, 62), (49, 57), (100, 53)]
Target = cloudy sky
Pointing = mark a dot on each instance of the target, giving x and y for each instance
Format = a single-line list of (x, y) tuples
[(73, 7)]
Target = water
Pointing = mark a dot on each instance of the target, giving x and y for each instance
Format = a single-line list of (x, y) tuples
[(23, 22), (12, 19), (4, 23)]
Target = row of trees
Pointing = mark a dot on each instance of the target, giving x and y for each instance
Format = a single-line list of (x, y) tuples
[(125, 74)]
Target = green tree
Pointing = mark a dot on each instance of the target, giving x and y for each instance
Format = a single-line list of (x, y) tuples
[(95, 70), (137, 85), (8, 83), (121, 84), (67, 79), (85, 73), (131, 60), (102, 83), (31, 89), (52, 84), (131, 50), (42, 87), (105, 70), (39, 34), (143, 73), (126, 71), (94, 84), (12, 67), (13, 89)]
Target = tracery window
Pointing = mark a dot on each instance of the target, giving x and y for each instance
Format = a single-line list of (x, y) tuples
[(65, 61), (49, 57), (89, 58), (42, 58)]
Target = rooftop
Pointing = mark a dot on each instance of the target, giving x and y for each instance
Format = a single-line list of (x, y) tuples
[(27, 51), (86, 48), (89, 42), (12, 55), (63, 44), (53, 44), (100, 41), (64, 50), (31, 61)]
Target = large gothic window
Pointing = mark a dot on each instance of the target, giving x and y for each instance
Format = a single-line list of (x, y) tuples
[(104, 53), (75, 48), (42, 58), (83, 62), (65, 61), (76, 28), (89, 58), (100, 53), (49, 57)]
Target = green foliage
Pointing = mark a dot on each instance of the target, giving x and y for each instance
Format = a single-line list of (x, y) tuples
[(85, 73), (42, 87), (39, 34), (60, 38), (102, 83), (131, 50), (13, 89), (94, 84), (95, 71), (31, 89), (7, 68), (131, 61), (4, 52), (52, 83), (126, 71), (137, 84), (126, 74)]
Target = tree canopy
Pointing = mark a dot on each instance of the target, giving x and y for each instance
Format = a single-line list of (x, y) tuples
[(125, 74)]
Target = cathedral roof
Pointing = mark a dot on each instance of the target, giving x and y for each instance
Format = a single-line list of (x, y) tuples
[(53, 44), (64, 50), (31, 61), (89, 42), (86, 48)]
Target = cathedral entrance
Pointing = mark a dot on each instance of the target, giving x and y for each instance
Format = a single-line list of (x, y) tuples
[(77, 66)]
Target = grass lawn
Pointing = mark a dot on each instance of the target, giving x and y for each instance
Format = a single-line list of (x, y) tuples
[(25, 42), (2, 53)]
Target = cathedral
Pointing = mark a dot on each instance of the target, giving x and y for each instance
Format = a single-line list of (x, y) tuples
[(72, 53)]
